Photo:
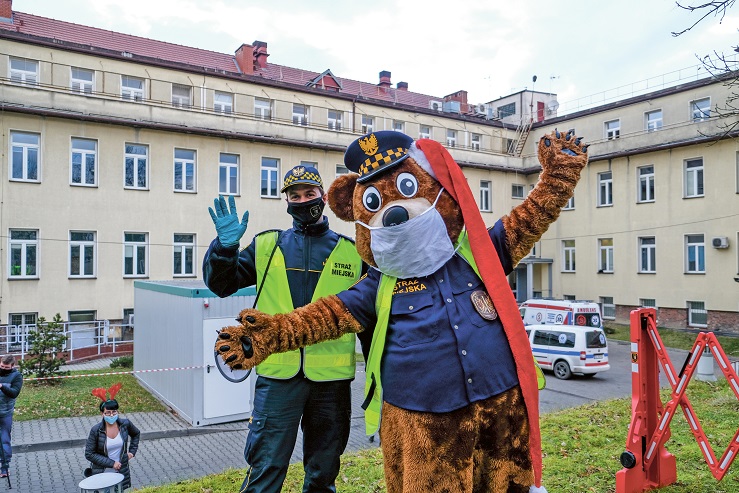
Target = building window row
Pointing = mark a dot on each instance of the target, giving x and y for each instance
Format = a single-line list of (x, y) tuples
[(700, 110)]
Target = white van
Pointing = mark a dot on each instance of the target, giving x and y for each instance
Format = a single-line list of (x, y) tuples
[(568, 349), (561, 312)]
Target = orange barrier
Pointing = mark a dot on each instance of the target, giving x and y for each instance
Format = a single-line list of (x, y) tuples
[(647, 464)]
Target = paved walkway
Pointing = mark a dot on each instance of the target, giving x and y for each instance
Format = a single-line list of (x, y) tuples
[(48, 455)]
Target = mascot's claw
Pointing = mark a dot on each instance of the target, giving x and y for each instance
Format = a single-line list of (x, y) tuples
[(234, 343), (557, 149)]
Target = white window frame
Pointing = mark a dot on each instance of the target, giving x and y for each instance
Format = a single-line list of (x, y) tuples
[(28, 253), (647, 254), (645, 185), (23, 71), (184, 245), (475, 141), (341, 170), (78, 169), (693, 177), (184, 97), (79, 83), (17, 328), (134, 248), (399, 125), (132, 88), (697, 308), (262, 108), (80, 247), (451, 138), (518, 191), (228, 173), (605, 255), (605, 189), (335, 118), (653, 120), (368, 124), (570, 205), (568, 256), (486, 190), (608, 307), (700, 109), (269, 176), (26, 150), (223, 102), (186, 163), (612, 129), (300, 114), (135, 159), (424, 132), (695, 253), (648, 303)]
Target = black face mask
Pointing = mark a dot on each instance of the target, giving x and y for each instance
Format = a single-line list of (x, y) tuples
[(306, 212), (5, 373)]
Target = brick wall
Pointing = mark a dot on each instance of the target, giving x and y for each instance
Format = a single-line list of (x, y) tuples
[(677, 318)]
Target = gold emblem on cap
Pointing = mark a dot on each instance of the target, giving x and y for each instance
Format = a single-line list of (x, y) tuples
[(369, 145), (299, 170)]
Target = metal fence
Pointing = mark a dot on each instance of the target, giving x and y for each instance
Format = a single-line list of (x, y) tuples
[(82, 339)]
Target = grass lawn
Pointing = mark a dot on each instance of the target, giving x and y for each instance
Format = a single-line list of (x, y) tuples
[(678, 339)]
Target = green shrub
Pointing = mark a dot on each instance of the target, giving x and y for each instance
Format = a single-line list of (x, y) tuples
[(122, 362)]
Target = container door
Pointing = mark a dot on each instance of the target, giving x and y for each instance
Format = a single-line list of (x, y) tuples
[(221, 397)]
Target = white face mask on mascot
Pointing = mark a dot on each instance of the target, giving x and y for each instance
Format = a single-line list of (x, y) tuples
[(396, 248)]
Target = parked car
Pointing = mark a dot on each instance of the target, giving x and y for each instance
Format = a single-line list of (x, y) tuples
[(569, 349), (561, 312)]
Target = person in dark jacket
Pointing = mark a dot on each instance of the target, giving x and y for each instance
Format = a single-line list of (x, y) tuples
[(11, 382), (107, 447)]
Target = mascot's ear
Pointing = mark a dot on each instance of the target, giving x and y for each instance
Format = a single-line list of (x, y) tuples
[(341, 196)]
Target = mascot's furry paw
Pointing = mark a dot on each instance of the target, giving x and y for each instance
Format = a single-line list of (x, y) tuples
[(558, 149), (236, 344), (540, 489)]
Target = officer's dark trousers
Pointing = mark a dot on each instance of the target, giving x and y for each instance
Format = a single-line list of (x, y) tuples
[(279, 405)]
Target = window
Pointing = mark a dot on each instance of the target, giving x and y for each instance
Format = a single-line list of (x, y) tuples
[(570, 205), (228, 174), (700, 109), (424, 132), (24, 71), (23, 251), (451, 138), (568, 255), (609, 309), (223, 102), (506, 110), (334, 120), (83, 80), (517, 191), (300, 114), (647, 303), (653, 120), (646, 184), (475, 140), (25, 161), (605, 255), (398, 126), (184, 170), (135, 247), (136, 164), (694, 178), (341, 170), (570, 297), (368, 124), (647, 255), (181, 96), (737, 172), (269, 171), (16, 333), (184, 255), (82, 316), (132, 88), (508, 145), (84, 162), (262, 108), (613, 129), (82, 254), (697, 314), (605, 189), (695, 255), (485, 196)]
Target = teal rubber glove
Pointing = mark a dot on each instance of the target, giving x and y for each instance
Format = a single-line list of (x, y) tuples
[(228, 227)]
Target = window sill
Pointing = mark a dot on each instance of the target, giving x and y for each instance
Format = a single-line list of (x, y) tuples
[(269, 197), (695, 273), (24, 278), (645, 202), (648, 272)]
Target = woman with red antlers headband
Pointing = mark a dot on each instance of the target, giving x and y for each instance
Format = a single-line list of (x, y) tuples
[(107, 447)]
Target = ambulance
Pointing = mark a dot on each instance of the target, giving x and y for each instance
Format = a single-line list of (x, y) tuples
[(561, 312)]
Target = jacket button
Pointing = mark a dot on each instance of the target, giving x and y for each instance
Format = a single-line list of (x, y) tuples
[(469, 380), (464, 353), (410, 307)]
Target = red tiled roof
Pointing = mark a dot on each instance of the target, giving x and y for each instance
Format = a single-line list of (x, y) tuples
[(69, 32)]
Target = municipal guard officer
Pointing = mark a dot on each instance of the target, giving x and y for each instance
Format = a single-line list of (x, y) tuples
[(310, 387)]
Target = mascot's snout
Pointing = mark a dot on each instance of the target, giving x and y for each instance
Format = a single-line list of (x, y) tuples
[(395, 215)]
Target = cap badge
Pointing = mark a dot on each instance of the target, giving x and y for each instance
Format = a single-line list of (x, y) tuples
[(369, 145), (298, 170)]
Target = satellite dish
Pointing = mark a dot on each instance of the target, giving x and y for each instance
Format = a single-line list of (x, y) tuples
[(552, 106)]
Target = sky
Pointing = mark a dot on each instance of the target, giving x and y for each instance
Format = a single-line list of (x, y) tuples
[(583, 50)]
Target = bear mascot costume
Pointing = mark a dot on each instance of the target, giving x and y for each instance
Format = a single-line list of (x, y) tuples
[(450, 374)]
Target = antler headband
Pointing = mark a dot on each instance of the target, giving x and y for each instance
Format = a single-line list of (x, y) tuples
[(102, 393)]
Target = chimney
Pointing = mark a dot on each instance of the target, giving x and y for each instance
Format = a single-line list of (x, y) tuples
[(244, 58), (402, 86), (260, 54), (6, 10), (384, 79)]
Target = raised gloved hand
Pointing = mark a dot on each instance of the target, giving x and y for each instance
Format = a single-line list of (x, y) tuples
[(228, 227)]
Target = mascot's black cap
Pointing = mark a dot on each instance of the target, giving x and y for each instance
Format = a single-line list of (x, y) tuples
[(376, 152)]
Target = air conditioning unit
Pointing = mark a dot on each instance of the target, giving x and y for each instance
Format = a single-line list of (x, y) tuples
[(480, 109), (720, 242), (436, 105)]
